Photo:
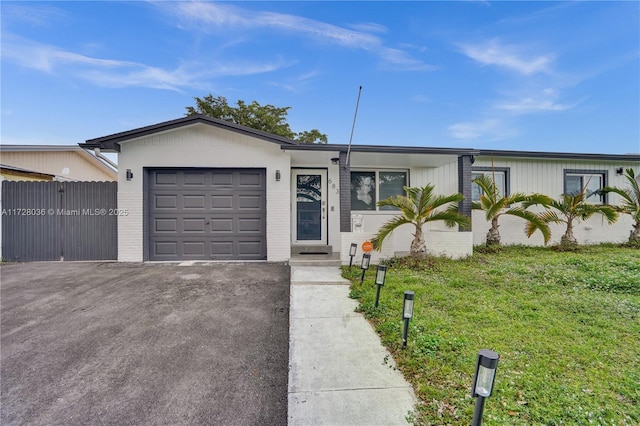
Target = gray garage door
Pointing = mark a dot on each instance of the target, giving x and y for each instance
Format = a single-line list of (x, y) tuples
[(204, 214)]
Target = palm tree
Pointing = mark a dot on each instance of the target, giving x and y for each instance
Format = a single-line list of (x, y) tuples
[(630, 203), (418, 207), (495, 205), (574, 208)]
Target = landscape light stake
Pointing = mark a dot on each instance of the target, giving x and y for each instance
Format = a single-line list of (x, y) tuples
[(483, 381), (407, 313), (352, 252), (381, 275), (366, 259)]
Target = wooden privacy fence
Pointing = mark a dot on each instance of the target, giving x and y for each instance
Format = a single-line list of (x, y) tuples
[(43, 221)]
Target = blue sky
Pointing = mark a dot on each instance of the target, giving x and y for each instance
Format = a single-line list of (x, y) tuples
[(540, 76)]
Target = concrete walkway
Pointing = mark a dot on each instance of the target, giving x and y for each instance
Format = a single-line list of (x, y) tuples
[(339, 373)]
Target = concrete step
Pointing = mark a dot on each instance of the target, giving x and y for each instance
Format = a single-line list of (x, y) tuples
[(332, 259), (316, 249)]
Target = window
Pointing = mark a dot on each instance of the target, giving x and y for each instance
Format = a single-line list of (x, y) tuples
[(592, 181), (367, 188), (500, 175)]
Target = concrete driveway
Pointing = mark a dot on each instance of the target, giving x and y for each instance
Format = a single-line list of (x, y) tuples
[(109, 343)]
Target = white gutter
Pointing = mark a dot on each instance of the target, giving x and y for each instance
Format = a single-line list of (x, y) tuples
[(105, 159)]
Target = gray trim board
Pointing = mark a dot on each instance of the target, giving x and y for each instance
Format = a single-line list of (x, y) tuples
[(464, 187), (560, 155), (345, 193), (385, 149)]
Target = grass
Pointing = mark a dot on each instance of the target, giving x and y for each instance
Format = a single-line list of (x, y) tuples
[(566, 326)]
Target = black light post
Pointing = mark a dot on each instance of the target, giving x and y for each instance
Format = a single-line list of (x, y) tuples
[(352, 253), (483, 381), (381, 275), (407, 313), (366, 259)]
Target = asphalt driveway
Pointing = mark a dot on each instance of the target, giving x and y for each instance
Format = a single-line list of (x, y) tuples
[(111, 343)]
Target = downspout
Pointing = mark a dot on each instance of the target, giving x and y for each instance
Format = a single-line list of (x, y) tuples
[(99, 154)]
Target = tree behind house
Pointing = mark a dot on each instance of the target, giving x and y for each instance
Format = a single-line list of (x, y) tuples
[(267, 118)]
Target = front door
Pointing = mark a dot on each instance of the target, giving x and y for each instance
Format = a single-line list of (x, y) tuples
[(309, 206)]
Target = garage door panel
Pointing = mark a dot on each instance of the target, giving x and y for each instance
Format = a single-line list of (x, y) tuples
[(222, 249), (165, 201), (251, 225), (222, 225), (194, 225), (194, 248), (166, 248), (166, 178), (207, 214), (250, 202), (250, 180), (192, 179), (223, 179), (165, 225), (249, 248), (193, 201), (222, 201)]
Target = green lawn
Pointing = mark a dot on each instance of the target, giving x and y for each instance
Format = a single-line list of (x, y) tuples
[(566, 326)]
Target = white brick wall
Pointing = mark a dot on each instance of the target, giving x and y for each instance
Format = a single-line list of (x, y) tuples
[(278, 220), (455, 245), (130, 230), (359, 238)]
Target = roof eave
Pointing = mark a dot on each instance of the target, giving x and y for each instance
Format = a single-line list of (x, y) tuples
[(112, 142), (559, 155), (387, 149)]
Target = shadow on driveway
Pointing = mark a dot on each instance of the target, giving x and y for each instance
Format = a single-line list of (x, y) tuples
[(115, 343)]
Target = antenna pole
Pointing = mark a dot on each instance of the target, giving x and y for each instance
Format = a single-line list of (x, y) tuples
[(353, 126)]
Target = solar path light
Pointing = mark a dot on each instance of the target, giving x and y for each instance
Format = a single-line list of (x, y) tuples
[(366, 259), (381, 275), (407, 314), (352, 252), (483, 381)]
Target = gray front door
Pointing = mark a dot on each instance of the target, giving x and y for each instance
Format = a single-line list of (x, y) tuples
[(309, 208), (204, 214)]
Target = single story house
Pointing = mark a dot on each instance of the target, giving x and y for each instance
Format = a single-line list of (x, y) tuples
[(199, 188), (64, 162)]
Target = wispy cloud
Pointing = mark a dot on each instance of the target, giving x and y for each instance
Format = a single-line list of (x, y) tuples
[(370, 27), (296, 83), (118, 73), (487, 129), (212, 17), (31, 14), (511, 57), (546, 101)]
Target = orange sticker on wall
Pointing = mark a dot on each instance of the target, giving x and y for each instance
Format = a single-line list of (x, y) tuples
[(367, 246)]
